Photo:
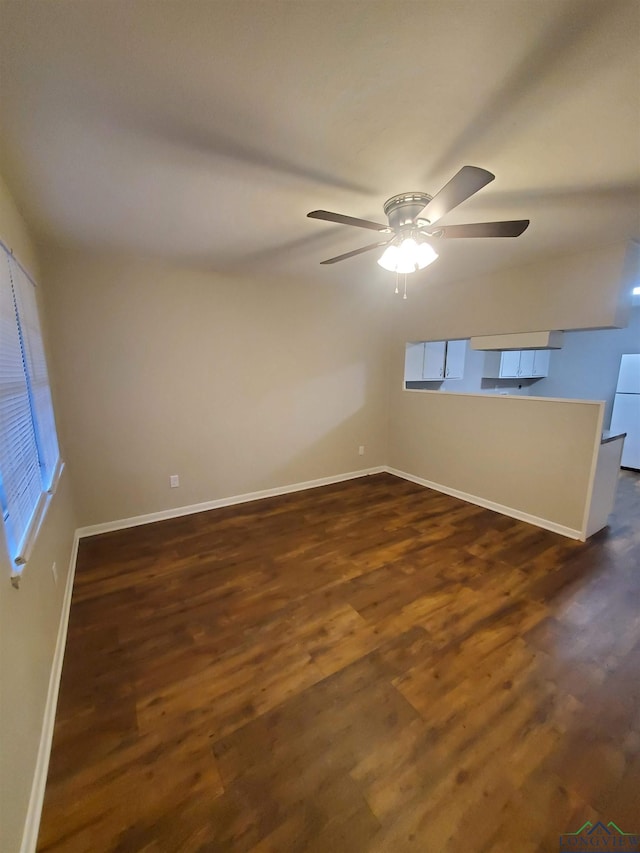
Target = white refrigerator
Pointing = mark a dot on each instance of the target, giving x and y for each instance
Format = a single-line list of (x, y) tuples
[(626, 409)]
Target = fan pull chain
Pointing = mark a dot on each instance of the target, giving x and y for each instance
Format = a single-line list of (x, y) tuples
[(405, 286), (397, 277)]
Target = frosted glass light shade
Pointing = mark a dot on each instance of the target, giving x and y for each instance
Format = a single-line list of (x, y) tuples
[(389, 258), (408, 257)]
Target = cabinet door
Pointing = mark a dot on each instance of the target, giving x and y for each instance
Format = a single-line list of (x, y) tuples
[(526, 362), (510, 365), (413, 362), (454, 362), (541, 362), (434, 360)]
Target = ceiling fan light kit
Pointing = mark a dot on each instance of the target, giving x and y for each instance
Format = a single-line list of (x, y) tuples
[(411, 220), (409, 250), (407, 256)]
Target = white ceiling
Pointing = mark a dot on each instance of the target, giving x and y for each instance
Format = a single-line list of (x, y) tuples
[(205, 131)]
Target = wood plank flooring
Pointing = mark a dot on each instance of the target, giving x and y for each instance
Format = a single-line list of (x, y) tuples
[(370, 666)]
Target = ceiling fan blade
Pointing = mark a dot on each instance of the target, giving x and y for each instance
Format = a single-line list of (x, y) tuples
[(348, 220), (462, 186), (356, 252), (483, 229)]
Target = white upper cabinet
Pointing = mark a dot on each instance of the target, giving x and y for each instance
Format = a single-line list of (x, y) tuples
[(434, 356), (434, 361), (517, 364), (413, 362), (541, 362), (509, 367), (526, 362), (454, 361)]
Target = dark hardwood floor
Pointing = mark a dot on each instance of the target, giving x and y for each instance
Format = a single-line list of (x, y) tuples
[(370, 666)]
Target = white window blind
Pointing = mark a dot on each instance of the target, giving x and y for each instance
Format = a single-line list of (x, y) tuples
[(29, 453), (44, 423)]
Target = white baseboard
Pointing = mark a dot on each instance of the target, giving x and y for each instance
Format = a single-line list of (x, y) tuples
[(36, 799), (136, 520), (487, 504), (176, 512)]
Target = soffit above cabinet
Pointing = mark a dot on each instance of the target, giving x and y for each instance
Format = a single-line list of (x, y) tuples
[(518, 341)]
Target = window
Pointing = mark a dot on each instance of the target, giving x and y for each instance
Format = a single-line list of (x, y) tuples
[(29, 455)]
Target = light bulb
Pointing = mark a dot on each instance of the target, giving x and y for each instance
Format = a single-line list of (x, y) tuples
[(426, 255), (408, 256), (389, 259)]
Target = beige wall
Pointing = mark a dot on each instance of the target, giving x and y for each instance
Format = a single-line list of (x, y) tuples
[(526, 454), (29, 617), (235, 384), (243, 384), (576, 291), (533, 456)]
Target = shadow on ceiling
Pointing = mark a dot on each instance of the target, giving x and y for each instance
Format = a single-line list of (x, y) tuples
[(554, 46)]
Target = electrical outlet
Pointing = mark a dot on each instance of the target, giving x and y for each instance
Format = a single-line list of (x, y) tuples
[(54, 572), (361, 450), (174, 481)]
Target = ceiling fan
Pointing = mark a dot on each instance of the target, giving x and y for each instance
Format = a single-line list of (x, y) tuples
[(412, 222)]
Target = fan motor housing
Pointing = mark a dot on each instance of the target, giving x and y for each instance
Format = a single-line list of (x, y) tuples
[(402, 209)]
